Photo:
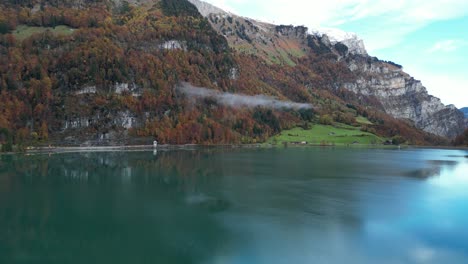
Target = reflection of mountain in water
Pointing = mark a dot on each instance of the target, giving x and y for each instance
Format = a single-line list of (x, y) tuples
[(432, 169), (107, 208), (264, 205)]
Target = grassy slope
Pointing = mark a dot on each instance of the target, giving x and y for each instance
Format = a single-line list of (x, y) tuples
[(363, 120), (338, 134), (22, 32)]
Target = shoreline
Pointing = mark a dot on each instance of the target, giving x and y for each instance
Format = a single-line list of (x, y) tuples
[(72, 149), (66, 149), (167, 147)]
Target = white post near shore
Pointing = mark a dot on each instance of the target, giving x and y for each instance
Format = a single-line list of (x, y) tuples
[(155, 144)]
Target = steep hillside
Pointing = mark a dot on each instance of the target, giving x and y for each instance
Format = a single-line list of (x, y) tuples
[(397, 93), (404, 97), (113, 72), (275, 44), (462, 139)]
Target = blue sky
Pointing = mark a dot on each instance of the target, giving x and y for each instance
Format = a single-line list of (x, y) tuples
[(428, 37)]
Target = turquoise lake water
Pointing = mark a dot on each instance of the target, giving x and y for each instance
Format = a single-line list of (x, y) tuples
[(215, 206)]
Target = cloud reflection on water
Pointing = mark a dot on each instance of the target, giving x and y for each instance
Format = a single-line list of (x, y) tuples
[(296, 205)]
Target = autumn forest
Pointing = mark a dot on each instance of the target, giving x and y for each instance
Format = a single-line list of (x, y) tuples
[(75, 71)]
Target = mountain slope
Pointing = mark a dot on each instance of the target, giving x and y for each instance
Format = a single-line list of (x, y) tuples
[(464, 110), (404, 97), (398, 94), (119, 74)]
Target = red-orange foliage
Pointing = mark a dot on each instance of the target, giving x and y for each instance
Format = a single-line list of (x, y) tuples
[(41, 78)]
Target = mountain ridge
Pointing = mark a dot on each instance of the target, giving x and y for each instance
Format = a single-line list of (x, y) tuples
[(402, 96), (354, 43), (112, 77)]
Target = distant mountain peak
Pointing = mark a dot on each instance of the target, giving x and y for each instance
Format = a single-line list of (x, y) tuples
[(351, 40), (464, 111)]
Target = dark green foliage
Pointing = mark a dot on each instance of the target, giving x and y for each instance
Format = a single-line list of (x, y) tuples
[(341, 48), (242, 34), (4, 27), (307, 114), (317, 46), (179, 8), (125, 8), (11, 83), (6, 137), (266, 116), (284, 28), (394, 64), (398, 140), (7, 147), (352, 107)]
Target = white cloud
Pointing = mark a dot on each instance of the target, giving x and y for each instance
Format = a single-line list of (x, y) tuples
[(385, 26), (447, 46), (451, 89), (423, 254), (393, 19)]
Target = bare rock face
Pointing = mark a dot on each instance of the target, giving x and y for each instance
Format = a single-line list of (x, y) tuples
[(299, 32), (206, 9), (351, 40), (355, 45), (404, 97)]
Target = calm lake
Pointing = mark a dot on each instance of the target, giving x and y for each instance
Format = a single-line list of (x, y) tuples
[(285, 205)]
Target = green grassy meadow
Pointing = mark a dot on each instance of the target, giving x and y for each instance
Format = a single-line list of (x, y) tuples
[(363, 120), (338, 134), (22, 32)]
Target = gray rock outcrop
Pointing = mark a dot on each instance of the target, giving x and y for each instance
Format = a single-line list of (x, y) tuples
[(205, 9), (404, 97)]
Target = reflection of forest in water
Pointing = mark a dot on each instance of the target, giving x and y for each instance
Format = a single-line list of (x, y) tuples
[(106, 207), (173, 168), (188, 206)]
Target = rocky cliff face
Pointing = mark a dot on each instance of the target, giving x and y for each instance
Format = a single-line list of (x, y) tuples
[(206, 9), (351, 40), (399, 94), (404, 97)]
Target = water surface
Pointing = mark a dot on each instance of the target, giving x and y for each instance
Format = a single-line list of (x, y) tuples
[(294, 205)]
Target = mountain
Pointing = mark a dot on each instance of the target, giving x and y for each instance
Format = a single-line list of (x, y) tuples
[(403, 97), (263, 31), (97, 72), (465, 111), (397, 93)]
